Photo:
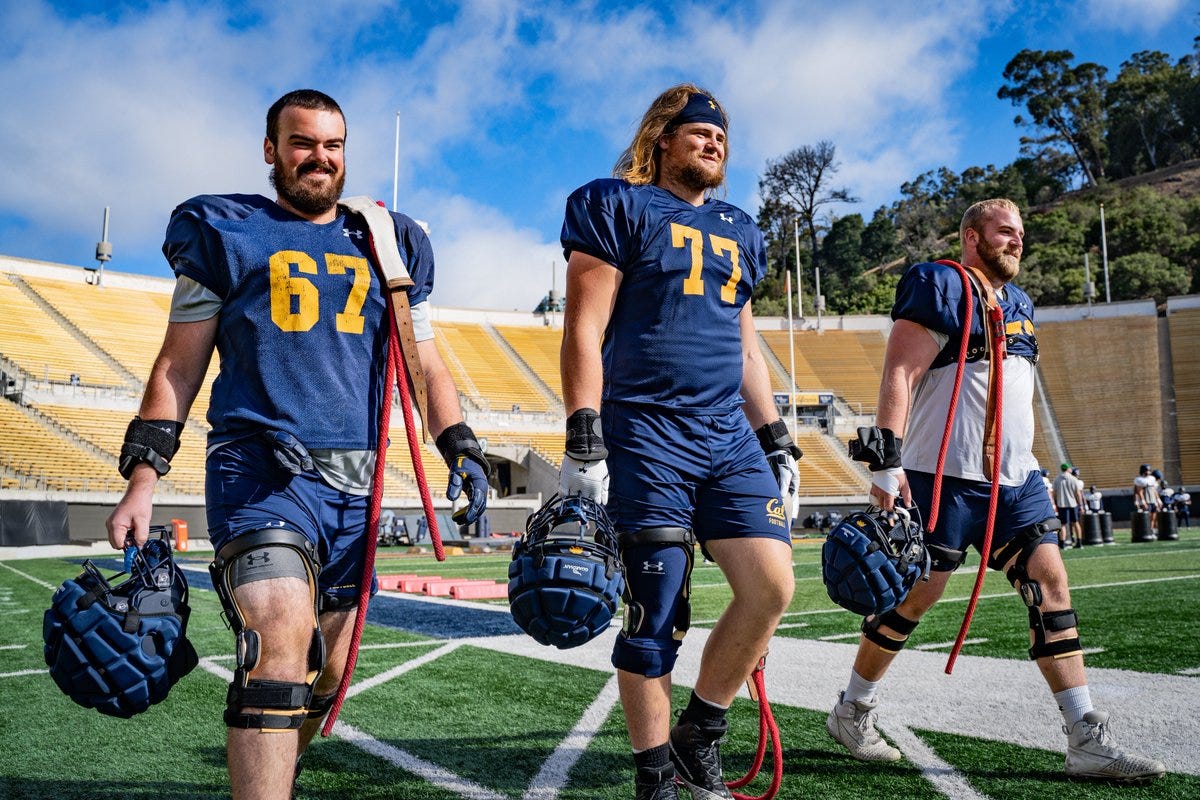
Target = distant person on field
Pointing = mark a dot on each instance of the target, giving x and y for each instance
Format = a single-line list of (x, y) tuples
[(1182, 502), (1093, 500), (1067, 499), (1145, 494)]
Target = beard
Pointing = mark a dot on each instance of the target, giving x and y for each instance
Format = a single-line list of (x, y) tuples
[(304, 197), (997, 262), (696, 177)]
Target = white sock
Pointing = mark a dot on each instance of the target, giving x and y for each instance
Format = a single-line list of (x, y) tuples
[(1073, 703), (860, 688)]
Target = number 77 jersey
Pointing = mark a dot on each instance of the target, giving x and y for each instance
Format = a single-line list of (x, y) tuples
[(674, 339), (301, 333)]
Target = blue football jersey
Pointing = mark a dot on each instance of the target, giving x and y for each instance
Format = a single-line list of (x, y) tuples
[(674, 339), (302, 333), (931, 295)]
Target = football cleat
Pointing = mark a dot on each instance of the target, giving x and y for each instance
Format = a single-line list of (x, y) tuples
[(696, 754), (1092, 753), (655, 784), (851, 723)]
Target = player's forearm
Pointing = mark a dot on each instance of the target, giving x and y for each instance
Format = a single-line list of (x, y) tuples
[(444, 407), (759, 407), (582, 370)]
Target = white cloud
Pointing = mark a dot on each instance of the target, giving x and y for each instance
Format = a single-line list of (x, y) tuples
[(1131, 15), (485, 261)]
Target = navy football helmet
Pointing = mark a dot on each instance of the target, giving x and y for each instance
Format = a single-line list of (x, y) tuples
[(871, 560), (120, 649), (566, 577)]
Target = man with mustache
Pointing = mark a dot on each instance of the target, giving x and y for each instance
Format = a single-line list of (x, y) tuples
[(914, 395), (286, 292), (667, 391)]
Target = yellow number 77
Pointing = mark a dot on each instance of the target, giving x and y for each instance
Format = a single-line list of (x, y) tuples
[(684, 236)]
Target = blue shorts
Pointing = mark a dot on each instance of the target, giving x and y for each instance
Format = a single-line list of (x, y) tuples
[(1068, 514), (706, 472), (963, 510), (245, 491)]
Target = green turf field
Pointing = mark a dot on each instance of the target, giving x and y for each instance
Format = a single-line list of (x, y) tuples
[(483, 716)]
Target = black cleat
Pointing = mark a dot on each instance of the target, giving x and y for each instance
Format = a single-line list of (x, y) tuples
[(656, 784), (696, 754)]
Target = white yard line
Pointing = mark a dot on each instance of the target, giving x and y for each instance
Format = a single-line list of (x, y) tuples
[(13, 646), (431, 773), (945, 778), (943, 645), (553, 775), (359, 687), (23, 672), (38, 581)]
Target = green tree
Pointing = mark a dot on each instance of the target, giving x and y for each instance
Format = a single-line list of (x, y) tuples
[(1146, 114), (1065, 101), (1147, 275)]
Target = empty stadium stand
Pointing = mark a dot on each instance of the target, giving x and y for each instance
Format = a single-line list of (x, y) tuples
[(1101, 376), (1184, 326), (485, 371), (846, 362)]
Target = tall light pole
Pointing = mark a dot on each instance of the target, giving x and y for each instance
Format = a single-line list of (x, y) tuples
[(1104, 254), (820, 301), (791, 354), (396, 166), (799, 288), (103, 248)]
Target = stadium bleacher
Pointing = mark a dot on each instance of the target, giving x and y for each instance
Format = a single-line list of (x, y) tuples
[(1100, 375)]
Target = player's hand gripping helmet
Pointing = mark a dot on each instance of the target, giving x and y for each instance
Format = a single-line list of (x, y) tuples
[(566, 577), (121, 649), (871, 560)]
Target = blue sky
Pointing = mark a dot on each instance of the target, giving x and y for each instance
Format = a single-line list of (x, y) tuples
[(505, 106)]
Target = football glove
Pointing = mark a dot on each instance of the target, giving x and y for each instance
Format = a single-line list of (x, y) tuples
[(782, 455), (584, 470), (469, 469)]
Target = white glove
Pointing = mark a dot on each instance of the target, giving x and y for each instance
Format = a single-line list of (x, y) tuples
[(587, 478), (787, 474)]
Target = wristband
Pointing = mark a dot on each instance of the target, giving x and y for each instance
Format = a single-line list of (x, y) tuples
[(154, 442), (878, 448), (459, 440), (585, 442), (774, 436)]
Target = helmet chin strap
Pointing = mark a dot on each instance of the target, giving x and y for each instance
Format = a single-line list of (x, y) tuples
[(993, 329)]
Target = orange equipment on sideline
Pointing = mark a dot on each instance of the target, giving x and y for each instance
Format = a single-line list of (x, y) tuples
[(179, 531)]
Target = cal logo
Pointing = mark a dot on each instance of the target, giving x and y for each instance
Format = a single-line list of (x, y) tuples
[(775, 514), (576, 550), (860, 523)]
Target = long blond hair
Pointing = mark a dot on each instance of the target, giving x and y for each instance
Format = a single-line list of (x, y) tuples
[(639, 163)]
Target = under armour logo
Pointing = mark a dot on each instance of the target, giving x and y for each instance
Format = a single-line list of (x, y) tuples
[(653, 568), (254, 560), (726, 218), (348, 233)]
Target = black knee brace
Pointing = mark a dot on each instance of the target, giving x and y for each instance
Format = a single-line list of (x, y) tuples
[(679, 537), (270, 553), (902, 625), (1031, 594)]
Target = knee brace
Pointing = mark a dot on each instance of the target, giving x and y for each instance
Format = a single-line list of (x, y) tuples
[(901, 625), (320, 704), (658, 580), (271, 553), (1031, 594)]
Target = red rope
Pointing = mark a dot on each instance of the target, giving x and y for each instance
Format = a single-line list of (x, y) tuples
[(766, 726), (994, 327), (391, 378)]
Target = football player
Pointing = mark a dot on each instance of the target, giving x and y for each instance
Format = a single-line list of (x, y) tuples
[(672, 421), (285, 291), (919, 378)]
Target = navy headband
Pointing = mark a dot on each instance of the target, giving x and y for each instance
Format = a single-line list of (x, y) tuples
[(699, 108)]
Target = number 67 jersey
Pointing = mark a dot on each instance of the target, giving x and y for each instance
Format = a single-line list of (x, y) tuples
[(674, 340), (301, 333)]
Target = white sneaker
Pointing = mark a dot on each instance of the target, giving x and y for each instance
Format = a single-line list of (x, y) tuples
[(851, 723), (1092, 753)]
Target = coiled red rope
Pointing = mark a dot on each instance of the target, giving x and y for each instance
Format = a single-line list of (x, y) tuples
[(767, 728), (393, 375)]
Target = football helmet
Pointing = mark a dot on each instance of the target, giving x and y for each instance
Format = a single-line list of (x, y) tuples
[(870, 560), (120, 649), (566, 577)]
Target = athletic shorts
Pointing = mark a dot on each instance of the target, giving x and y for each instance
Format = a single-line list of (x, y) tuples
[(1068, 514), (245, 491), (706, 472), (963, 511)]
